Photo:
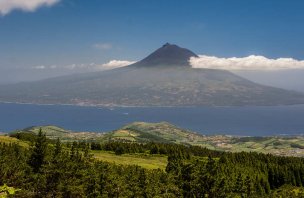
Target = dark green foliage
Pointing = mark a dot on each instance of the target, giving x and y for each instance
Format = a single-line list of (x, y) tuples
[(119, 150), (13, 165), (28, 136), (243, 174), (58, 171), (58, 148), (288, 191), (25, 136), (95, 146), (156, 148), (61, 170), (38, 152), (294, 145)]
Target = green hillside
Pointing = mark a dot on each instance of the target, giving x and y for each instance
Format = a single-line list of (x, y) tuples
[(163, 132), (54, 132)]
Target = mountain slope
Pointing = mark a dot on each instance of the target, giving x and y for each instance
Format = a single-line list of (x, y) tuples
[(168, 55), (164, 78)]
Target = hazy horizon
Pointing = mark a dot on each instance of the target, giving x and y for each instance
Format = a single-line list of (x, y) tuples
[(261, 41)]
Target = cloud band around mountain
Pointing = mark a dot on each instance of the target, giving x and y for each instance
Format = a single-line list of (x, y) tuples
[(117, 63), (252, 62), (87, 67), (249, 63), (6, 6)]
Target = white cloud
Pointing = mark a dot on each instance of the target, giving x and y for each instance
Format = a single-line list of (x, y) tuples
[(103, 46), (6, 6), (71, 66), (91, 66), (117, 63), (39, 67), (83, 67), (252, 62)]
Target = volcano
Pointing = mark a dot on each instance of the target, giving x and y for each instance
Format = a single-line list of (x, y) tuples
[(164, 78), (169, 56)]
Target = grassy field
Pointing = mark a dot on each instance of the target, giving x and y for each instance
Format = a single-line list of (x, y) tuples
[(143, 160), (7, 140)]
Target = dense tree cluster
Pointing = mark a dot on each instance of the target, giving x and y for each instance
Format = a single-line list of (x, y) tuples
[(57, 170), (155, 148), (53, 169), (236, 174)]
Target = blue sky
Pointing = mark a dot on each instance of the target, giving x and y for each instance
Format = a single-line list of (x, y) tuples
[(79, 32)]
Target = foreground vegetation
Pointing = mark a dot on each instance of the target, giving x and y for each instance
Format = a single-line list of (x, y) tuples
[(49, 168)]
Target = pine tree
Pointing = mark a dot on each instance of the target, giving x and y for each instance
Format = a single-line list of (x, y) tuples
[(239, 185), (39, 150), (58, 148), (248, 185)]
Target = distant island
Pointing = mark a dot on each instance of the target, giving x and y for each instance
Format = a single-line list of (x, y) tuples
[(164, 78)]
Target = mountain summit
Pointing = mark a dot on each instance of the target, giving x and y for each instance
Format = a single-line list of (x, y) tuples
[(164, 78), (168, 55)]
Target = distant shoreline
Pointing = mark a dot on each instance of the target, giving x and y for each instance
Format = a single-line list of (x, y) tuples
[(147, 106)]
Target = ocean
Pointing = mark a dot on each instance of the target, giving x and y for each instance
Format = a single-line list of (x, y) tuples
[(246, 121)]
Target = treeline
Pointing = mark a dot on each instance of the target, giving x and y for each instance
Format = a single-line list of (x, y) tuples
[(53, 169), (237, 175), (120, 147)]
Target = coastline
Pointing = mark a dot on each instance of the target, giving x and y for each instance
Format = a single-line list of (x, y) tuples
[(144, 106)]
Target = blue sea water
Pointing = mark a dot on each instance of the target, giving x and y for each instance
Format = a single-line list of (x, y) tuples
[(253, 121)]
